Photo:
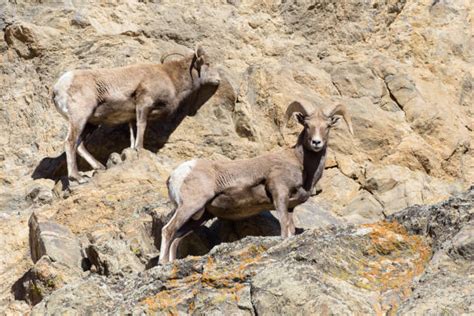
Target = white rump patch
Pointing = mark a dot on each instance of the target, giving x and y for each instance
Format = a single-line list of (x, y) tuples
[(177, 178), (61, 92)]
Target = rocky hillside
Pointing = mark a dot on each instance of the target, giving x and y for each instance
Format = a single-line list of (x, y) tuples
[(418, 262), (404, 70)]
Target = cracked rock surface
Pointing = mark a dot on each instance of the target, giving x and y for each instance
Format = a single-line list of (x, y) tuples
[(403, 68), (384, 267)]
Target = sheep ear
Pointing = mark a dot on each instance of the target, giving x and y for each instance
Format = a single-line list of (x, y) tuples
[(300, 117)]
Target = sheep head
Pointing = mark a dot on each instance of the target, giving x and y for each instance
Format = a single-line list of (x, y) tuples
[(317, 123), (206, 73)]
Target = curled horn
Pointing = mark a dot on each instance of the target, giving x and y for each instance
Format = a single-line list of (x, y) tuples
[(342, 110), (297, 106), (162, 60)]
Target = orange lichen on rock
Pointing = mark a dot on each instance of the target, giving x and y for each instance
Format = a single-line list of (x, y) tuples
[(166, 301), (395, 258), (220, 277), (225, 282)]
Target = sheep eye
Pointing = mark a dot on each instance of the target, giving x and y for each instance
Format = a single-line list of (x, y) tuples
[(333, 120)]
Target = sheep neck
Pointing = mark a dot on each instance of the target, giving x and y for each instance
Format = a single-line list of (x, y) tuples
[(312, 162), (184, 78)]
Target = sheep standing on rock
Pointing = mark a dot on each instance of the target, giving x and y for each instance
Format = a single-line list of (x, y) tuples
[(203, 189), (126, 94)]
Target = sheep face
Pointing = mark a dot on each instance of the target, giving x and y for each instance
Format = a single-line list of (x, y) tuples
[(316, 129), (207, 74)]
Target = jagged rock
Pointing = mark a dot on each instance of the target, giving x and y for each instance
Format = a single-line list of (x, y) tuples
[(43, 278), (372, 268), (125, 248), (408, 88), (463, 243), (398, 187), (446, 286), (56, 241), (441, 221), (113, 257), (29, 40), (41, 191)]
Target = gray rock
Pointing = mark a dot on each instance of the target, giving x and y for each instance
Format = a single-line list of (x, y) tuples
[(53, 240), (113, 257), (41, 191), (463, 243), (364, 269), (313, 215), (446, 286), (44, 278)]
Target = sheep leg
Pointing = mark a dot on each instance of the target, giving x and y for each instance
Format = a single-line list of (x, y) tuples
[(182, 214), (143, 109), (132, 135), (187, 229), (72, 141), (174, 246), (280, 194), (291, 224), (95, 164)]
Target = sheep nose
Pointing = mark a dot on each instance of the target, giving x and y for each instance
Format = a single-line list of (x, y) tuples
[(316, 143)]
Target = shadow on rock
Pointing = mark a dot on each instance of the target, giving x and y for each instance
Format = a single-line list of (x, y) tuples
[(219, 231), (108, 139)]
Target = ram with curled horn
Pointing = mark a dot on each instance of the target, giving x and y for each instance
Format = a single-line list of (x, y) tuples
[(202, 189)]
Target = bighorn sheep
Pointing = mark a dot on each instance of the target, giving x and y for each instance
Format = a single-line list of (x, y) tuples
[(122, 95), (203, 189)]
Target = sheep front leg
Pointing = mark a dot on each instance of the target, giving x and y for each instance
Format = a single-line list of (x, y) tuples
[(280, 194), (143, 109)]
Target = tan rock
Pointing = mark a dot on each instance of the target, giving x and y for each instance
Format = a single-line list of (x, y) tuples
[(398, 187), (404, 70)]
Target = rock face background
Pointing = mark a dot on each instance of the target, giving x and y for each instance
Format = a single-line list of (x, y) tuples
[(403, 68)]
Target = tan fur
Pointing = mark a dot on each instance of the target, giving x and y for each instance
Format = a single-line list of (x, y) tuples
[(115, 96), (242, 188)]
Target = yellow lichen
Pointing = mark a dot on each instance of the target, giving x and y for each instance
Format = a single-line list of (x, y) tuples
[(393, 259)]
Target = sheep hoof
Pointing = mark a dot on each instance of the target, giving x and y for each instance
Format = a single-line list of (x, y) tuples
[(100, 167), (78, 179)]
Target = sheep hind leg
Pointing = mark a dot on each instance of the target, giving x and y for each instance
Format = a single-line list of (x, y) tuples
[(84, 153), (187, 229), (72, 142), (182, 214), (291, 224), (132, 135)]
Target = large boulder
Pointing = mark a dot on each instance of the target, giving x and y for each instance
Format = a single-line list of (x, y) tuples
[(48, 238)]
